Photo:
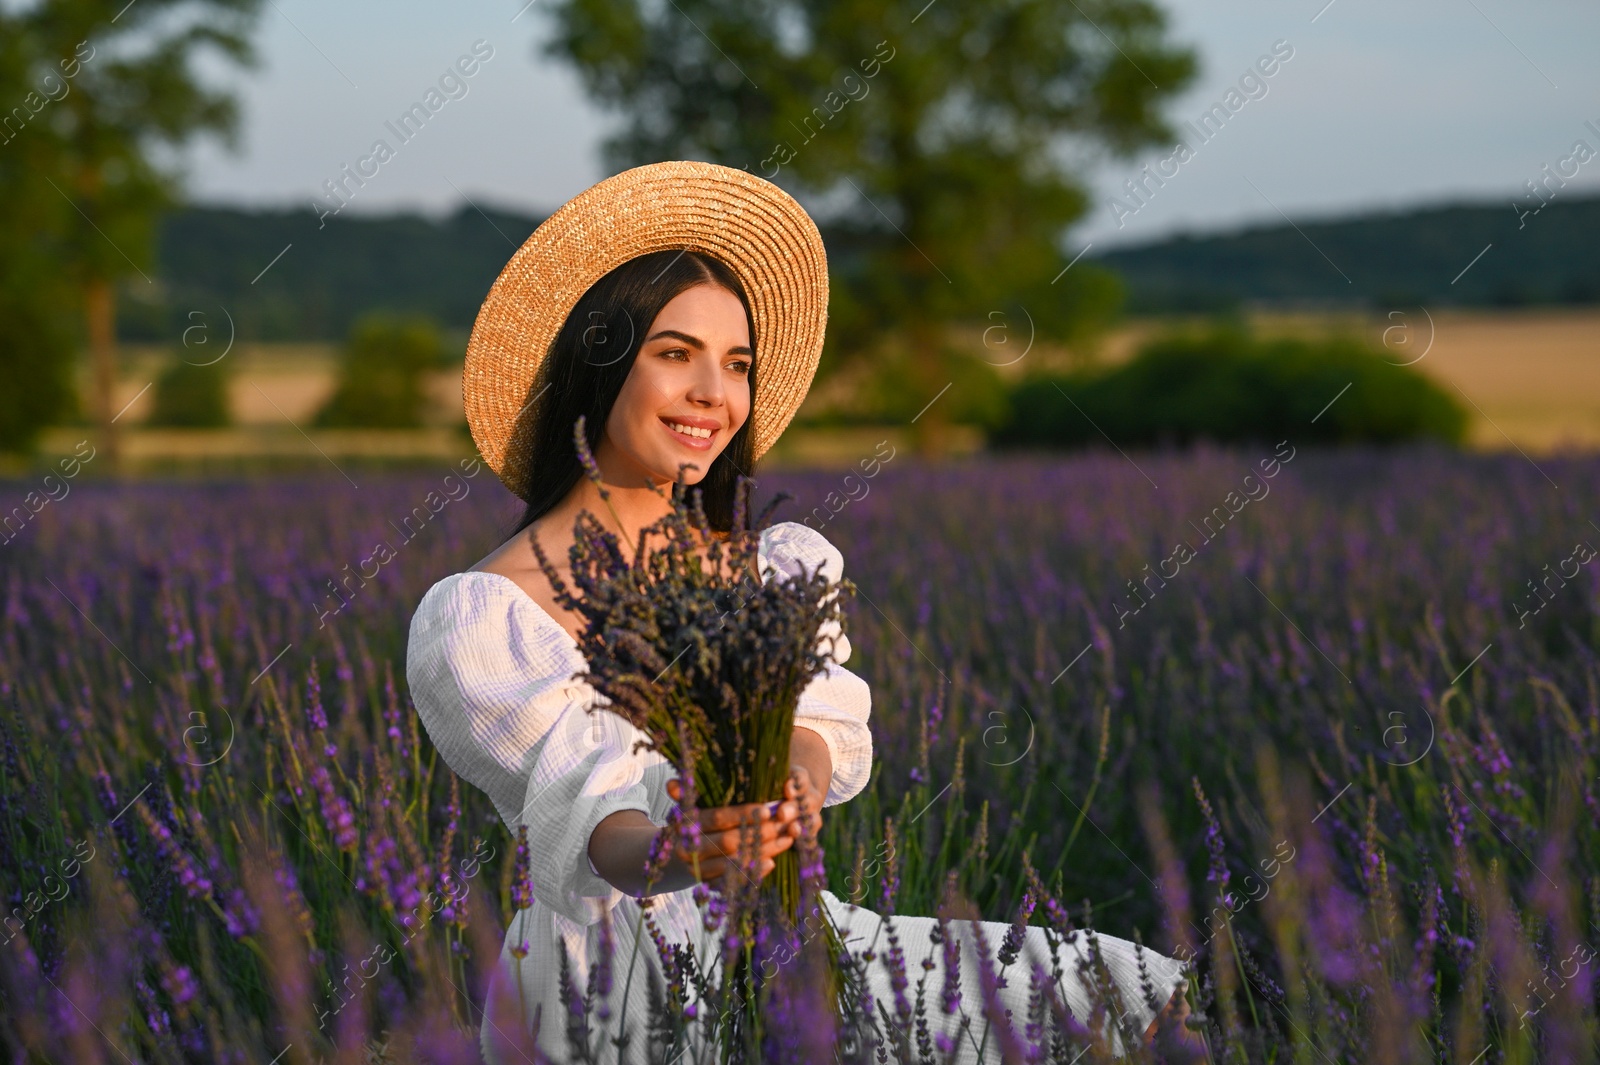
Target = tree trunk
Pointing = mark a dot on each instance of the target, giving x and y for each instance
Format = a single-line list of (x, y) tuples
[(100, 303), (930, 433)]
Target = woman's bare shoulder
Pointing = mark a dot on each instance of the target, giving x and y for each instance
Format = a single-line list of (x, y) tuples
[(516, 561)]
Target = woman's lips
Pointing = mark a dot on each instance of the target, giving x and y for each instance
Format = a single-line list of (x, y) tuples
[(699, 443)]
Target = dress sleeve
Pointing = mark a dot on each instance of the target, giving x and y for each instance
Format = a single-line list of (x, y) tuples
[(490, 676), (837, 702), (584, 771), (492, 679)]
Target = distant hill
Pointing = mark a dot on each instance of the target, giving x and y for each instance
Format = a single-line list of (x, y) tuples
[(1378, 260), (333, 272), (327, 277)]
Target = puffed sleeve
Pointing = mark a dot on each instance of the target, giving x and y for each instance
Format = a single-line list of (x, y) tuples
[(490, 675), (837, 703), (493, 679), (585, 770)]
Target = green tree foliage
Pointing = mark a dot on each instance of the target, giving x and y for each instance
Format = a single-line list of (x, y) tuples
[(36, 387), (938, 134), (118, 91), (192, 397), (380, 374), (1223, 384)]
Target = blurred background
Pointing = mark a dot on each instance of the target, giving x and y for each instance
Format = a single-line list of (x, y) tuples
[(247, 234)]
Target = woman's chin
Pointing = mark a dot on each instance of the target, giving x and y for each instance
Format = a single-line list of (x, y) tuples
[(667, 471)]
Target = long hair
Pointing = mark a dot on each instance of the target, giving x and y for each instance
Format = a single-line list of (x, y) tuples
[(589, 360)]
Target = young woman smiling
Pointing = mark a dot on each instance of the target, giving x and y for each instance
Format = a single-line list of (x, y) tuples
[(679, 308)]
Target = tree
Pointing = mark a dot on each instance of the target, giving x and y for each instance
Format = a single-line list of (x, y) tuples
[(943, 132), (380, 378), (36, 387), (128, 92)]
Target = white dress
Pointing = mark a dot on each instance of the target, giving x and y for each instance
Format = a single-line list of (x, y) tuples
[(490, 673)]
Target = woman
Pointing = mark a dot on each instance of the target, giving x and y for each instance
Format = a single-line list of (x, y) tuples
[(680, 308)]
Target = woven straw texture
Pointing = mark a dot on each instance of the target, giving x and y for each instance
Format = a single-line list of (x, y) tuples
[(752, 225)]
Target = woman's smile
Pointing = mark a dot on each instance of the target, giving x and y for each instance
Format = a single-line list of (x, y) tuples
[(697, 433)]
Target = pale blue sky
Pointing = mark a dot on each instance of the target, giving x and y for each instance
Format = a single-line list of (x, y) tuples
[(1383, 105)]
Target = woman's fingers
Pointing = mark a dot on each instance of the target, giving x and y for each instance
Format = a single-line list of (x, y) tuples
[(722, 818), (725, 873), (811, 823), (722, 827), (714, 861), (788, 825), (728, 844)]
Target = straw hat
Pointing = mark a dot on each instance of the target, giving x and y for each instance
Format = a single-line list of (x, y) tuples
[(767, 239)]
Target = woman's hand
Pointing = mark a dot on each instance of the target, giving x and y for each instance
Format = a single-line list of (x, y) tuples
[(1171, 1037), (721, 828)]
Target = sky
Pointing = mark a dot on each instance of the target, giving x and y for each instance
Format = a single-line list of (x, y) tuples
[(1379, 106)]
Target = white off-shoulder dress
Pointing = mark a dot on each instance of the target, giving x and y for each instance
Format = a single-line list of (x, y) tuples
[(491, 676)]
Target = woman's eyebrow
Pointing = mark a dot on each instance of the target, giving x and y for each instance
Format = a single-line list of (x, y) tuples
[(695, 342), (685, 337)]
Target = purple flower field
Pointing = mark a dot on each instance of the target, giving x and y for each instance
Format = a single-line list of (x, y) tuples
[(1325, 722)]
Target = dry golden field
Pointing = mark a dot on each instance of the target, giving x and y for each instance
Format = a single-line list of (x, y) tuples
[(270, 384)]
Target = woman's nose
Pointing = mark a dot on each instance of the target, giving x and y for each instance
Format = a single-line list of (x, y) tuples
[(706, 385)]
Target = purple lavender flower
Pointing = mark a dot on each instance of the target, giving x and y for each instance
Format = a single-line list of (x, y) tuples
[(950, 996), (337, 815), (314, 711), (895, 961), (188, 873), (1011, 944), (521, 887), (603, 966), (180, 985), (1217, 872), (241, 917), (716, 909)]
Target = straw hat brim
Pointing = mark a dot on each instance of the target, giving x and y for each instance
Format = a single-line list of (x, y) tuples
[(764, 236)]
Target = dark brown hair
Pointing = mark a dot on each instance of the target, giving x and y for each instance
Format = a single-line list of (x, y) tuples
[(591, 357)]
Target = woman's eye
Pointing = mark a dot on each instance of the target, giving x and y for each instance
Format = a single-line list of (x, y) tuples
[(740, 366)]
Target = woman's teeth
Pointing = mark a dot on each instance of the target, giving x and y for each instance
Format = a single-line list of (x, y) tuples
[(689, 430)]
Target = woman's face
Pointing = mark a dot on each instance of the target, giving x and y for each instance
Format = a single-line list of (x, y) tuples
[(688, 391)]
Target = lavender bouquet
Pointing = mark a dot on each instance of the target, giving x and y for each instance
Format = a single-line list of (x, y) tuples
[(694, 649)]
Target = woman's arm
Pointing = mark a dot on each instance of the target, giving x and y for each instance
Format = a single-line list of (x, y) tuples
[(619, 848), (809, 749), (620, 844)]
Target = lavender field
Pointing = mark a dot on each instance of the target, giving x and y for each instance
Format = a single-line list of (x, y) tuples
[(1325, 722)]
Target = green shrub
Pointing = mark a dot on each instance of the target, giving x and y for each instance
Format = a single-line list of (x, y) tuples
[(380, 375), (1228, 386), (192, 397)]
